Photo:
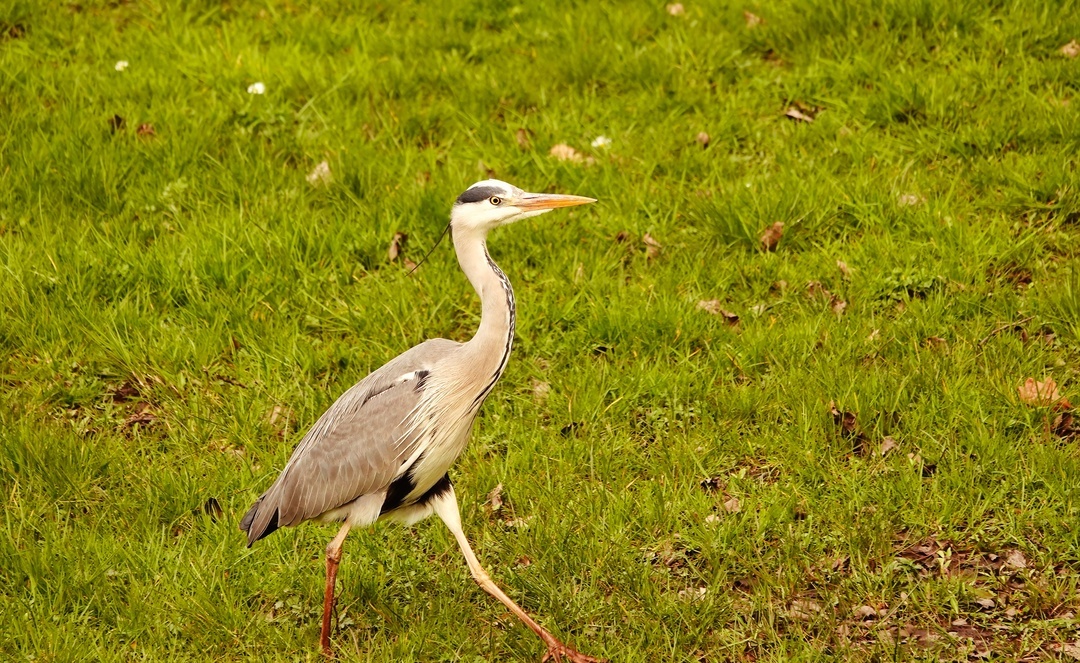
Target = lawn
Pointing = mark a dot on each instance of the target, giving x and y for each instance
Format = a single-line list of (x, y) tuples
[(767, 400)]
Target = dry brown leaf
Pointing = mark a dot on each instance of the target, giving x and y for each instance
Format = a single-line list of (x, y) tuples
[(910, 200), (564, 152), (652, 247), (837, 305), (935, 342), (804, 609), (145, 130), (772, 235), (676, 9), (320, 175), (278, 413), (540, 390), (1071, 50), (862, 613), (732, 505), (1040, 393), (796, 114), (887, 445), (495, 500), (1016, 560), (522, 137), (844, 269), (396, 245), (693, 593), (711, 306), (408, 264), (1068, 649), (712, 518), (752, 20)]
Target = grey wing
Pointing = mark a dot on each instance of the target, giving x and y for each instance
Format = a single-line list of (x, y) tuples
[(356, 448)]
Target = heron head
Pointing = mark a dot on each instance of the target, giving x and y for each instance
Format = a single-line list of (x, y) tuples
[(493, 203)]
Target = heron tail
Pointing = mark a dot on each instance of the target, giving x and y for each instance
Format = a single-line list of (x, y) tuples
[(266, 525)]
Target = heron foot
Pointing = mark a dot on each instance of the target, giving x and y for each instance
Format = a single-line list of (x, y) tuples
[(558, 652)]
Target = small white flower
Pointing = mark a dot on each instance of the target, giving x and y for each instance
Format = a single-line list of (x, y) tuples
[(601, 141), (121, 65), (257, 88)]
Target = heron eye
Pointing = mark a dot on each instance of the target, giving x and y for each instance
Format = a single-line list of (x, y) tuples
[(495, 200)]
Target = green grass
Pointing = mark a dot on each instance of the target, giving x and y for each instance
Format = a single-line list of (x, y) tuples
[(161, 295)]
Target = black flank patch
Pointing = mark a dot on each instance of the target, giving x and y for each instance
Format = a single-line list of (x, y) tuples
[(399, 489)]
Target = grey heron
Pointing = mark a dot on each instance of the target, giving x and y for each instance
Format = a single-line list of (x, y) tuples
[(382, 450)]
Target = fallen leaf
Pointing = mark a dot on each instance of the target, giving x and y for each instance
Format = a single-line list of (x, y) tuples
[(1066, 426), (844, 269), (1068, 649), (145, 130), (849, 429), (276, 413), (888, 444), (1041, 393), (986, 604), (711, 306), (142, 416), (408, 264), (524, 561), (494, 500), (771, 237), (540, 390), (320, 175), (1071, 50), (804, 609), (713, 484), (676, 9), (863, 613), (1016, 560), (693, 593), (712, 518), (703, 139), (732, 505), (796, 114), (935, 342), (652, 247), (752, 20), (396, 245), (522, 137), (837, 305), (564, 152)]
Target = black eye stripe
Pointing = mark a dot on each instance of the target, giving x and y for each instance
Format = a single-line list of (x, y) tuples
[(477, 194)]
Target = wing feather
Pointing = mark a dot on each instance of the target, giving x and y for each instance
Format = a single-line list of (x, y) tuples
[(357, 447)]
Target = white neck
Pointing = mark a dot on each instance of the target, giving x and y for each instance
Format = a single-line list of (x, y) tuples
[(489, 348)]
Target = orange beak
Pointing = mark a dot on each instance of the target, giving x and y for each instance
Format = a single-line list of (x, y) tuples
[(540, 201)]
